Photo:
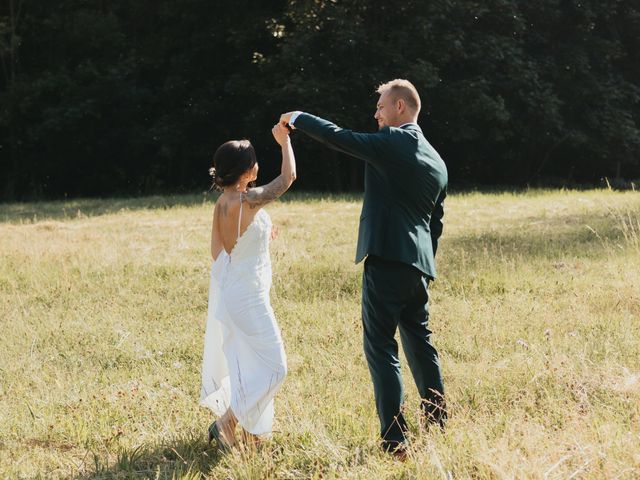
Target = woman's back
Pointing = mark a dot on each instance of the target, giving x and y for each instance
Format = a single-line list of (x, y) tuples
[(233, 219)]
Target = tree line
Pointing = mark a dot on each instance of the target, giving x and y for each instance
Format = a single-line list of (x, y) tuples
[(132, 97)]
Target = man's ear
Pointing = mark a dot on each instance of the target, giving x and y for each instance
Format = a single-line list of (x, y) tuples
[(401, 105)]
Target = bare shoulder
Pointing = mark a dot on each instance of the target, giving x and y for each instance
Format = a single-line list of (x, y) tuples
[(223, 206), (258, 197)]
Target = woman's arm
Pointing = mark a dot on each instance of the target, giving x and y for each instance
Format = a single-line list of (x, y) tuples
[(216, 239), (260, 196)]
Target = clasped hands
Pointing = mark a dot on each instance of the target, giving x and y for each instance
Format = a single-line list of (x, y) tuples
[(285, 120), (281, 130)]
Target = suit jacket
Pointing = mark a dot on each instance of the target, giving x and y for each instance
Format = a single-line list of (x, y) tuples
[(405, 185)]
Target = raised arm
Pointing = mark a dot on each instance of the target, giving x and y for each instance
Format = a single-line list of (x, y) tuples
[(370, 147), (260, 196)]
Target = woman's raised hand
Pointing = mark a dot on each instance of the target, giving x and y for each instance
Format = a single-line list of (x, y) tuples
[(258, 197), (280, 133)]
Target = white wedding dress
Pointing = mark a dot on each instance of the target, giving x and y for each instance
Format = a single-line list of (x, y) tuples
[(244, 362)]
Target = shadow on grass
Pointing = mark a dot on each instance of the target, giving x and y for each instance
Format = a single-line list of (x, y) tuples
[(578, 235), (177, 458), (31, 212)]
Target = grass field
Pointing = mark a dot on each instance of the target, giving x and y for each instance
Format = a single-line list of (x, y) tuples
[(536, 315)]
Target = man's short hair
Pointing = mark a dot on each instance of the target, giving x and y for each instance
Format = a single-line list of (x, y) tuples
[(403, 89)]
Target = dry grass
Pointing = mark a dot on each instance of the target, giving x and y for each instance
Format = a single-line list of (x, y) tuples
[(536, 315)]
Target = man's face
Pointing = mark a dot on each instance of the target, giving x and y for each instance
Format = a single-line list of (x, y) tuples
[(386, 112)]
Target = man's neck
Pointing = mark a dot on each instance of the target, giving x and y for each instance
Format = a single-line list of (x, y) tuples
[(406, 121)]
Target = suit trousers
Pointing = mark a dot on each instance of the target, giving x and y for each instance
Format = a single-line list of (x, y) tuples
[(396, 296)]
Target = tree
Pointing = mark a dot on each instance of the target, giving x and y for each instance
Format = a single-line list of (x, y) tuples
[(134, 96), (10, 19)]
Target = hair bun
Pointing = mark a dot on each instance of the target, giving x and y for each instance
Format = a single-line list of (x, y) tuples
[(232, 160)]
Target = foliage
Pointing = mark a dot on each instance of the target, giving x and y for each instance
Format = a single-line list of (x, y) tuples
[(134, 96)]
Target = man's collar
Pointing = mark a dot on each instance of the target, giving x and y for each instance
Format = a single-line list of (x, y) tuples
[(411, 126)]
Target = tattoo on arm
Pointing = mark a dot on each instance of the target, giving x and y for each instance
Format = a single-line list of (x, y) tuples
[(259, 197)]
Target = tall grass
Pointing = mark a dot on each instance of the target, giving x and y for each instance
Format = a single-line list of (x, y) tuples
[(628, 221), (536, 315)]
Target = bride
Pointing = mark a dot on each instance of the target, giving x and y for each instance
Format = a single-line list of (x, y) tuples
[(244, 362)]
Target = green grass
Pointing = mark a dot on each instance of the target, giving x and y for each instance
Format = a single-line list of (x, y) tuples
[(536, 315)]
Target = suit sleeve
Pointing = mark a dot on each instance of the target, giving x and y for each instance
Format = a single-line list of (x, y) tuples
[(370, 147), (436, 220)]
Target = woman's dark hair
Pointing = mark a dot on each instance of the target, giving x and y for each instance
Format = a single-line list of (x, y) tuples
[(232, 160)]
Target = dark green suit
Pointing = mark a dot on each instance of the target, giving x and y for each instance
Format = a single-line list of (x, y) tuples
[(400, 224)]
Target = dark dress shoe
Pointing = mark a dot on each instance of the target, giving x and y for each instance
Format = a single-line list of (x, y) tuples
[(399, 454), (397, 450)]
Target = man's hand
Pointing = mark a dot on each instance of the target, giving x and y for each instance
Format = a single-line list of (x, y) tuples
[(285, 118)]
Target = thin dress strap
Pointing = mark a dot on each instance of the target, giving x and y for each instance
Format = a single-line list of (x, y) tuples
[(239, 217)]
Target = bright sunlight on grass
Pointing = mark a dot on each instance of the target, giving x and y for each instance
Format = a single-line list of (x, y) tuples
[(536, 315)]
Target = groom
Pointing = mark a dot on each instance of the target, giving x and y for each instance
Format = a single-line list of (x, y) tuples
[(400, 224)]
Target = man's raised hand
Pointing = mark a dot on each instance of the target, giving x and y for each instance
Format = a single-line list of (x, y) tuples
[(285, 118)]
